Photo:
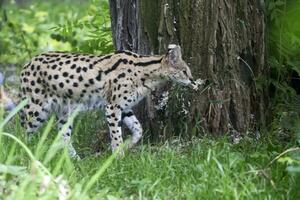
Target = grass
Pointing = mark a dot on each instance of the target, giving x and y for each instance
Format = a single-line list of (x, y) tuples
[(204, 168)]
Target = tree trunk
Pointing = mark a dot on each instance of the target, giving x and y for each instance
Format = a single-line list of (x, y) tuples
[(223, 41)]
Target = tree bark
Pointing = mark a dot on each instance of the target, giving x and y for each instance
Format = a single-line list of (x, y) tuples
[(223, 41)]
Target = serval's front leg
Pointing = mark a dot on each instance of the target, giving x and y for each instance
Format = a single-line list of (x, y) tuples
[(134, 126), (114, 121)]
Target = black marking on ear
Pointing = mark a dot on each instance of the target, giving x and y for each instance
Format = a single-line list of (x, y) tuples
[(152, 62)]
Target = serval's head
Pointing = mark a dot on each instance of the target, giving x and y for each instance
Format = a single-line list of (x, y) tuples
[(176, 68), (5, 102)]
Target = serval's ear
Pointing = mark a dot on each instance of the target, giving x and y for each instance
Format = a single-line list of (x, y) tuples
[(174, 54)]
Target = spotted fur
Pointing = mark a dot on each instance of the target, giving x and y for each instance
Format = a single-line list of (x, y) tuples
[(60, 82)]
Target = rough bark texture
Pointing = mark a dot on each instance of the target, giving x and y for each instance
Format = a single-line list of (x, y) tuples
[(218, 38)]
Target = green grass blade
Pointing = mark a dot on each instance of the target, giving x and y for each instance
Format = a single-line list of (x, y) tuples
[(103, 168), (13, 113), (38, 150), (58, 144)]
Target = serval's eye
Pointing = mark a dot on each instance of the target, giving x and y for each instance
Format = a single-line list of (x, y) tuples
[(185, 73)]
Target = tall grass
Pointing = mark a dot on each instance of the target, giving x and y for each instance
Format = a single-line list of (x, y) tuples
[(199, 169), (38, 172)]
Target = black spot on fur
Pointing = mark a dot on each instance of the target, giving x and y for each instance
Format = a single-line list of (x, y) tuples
[(128, 114), (70, 92), (98, 77), (36, 113), (53, 66), (91, 81), (122, 75), (65, 74)]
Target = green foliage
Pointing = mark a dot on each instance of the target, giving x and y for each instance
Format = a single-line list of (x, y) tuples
[(42, 26), (91, 33), (284, 63), (284, 46)]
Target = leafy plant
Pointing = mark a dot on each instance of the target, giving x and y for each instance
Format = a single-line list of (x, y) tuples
[(284, 45), (91, 33), (284, 63), (41, 26)]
